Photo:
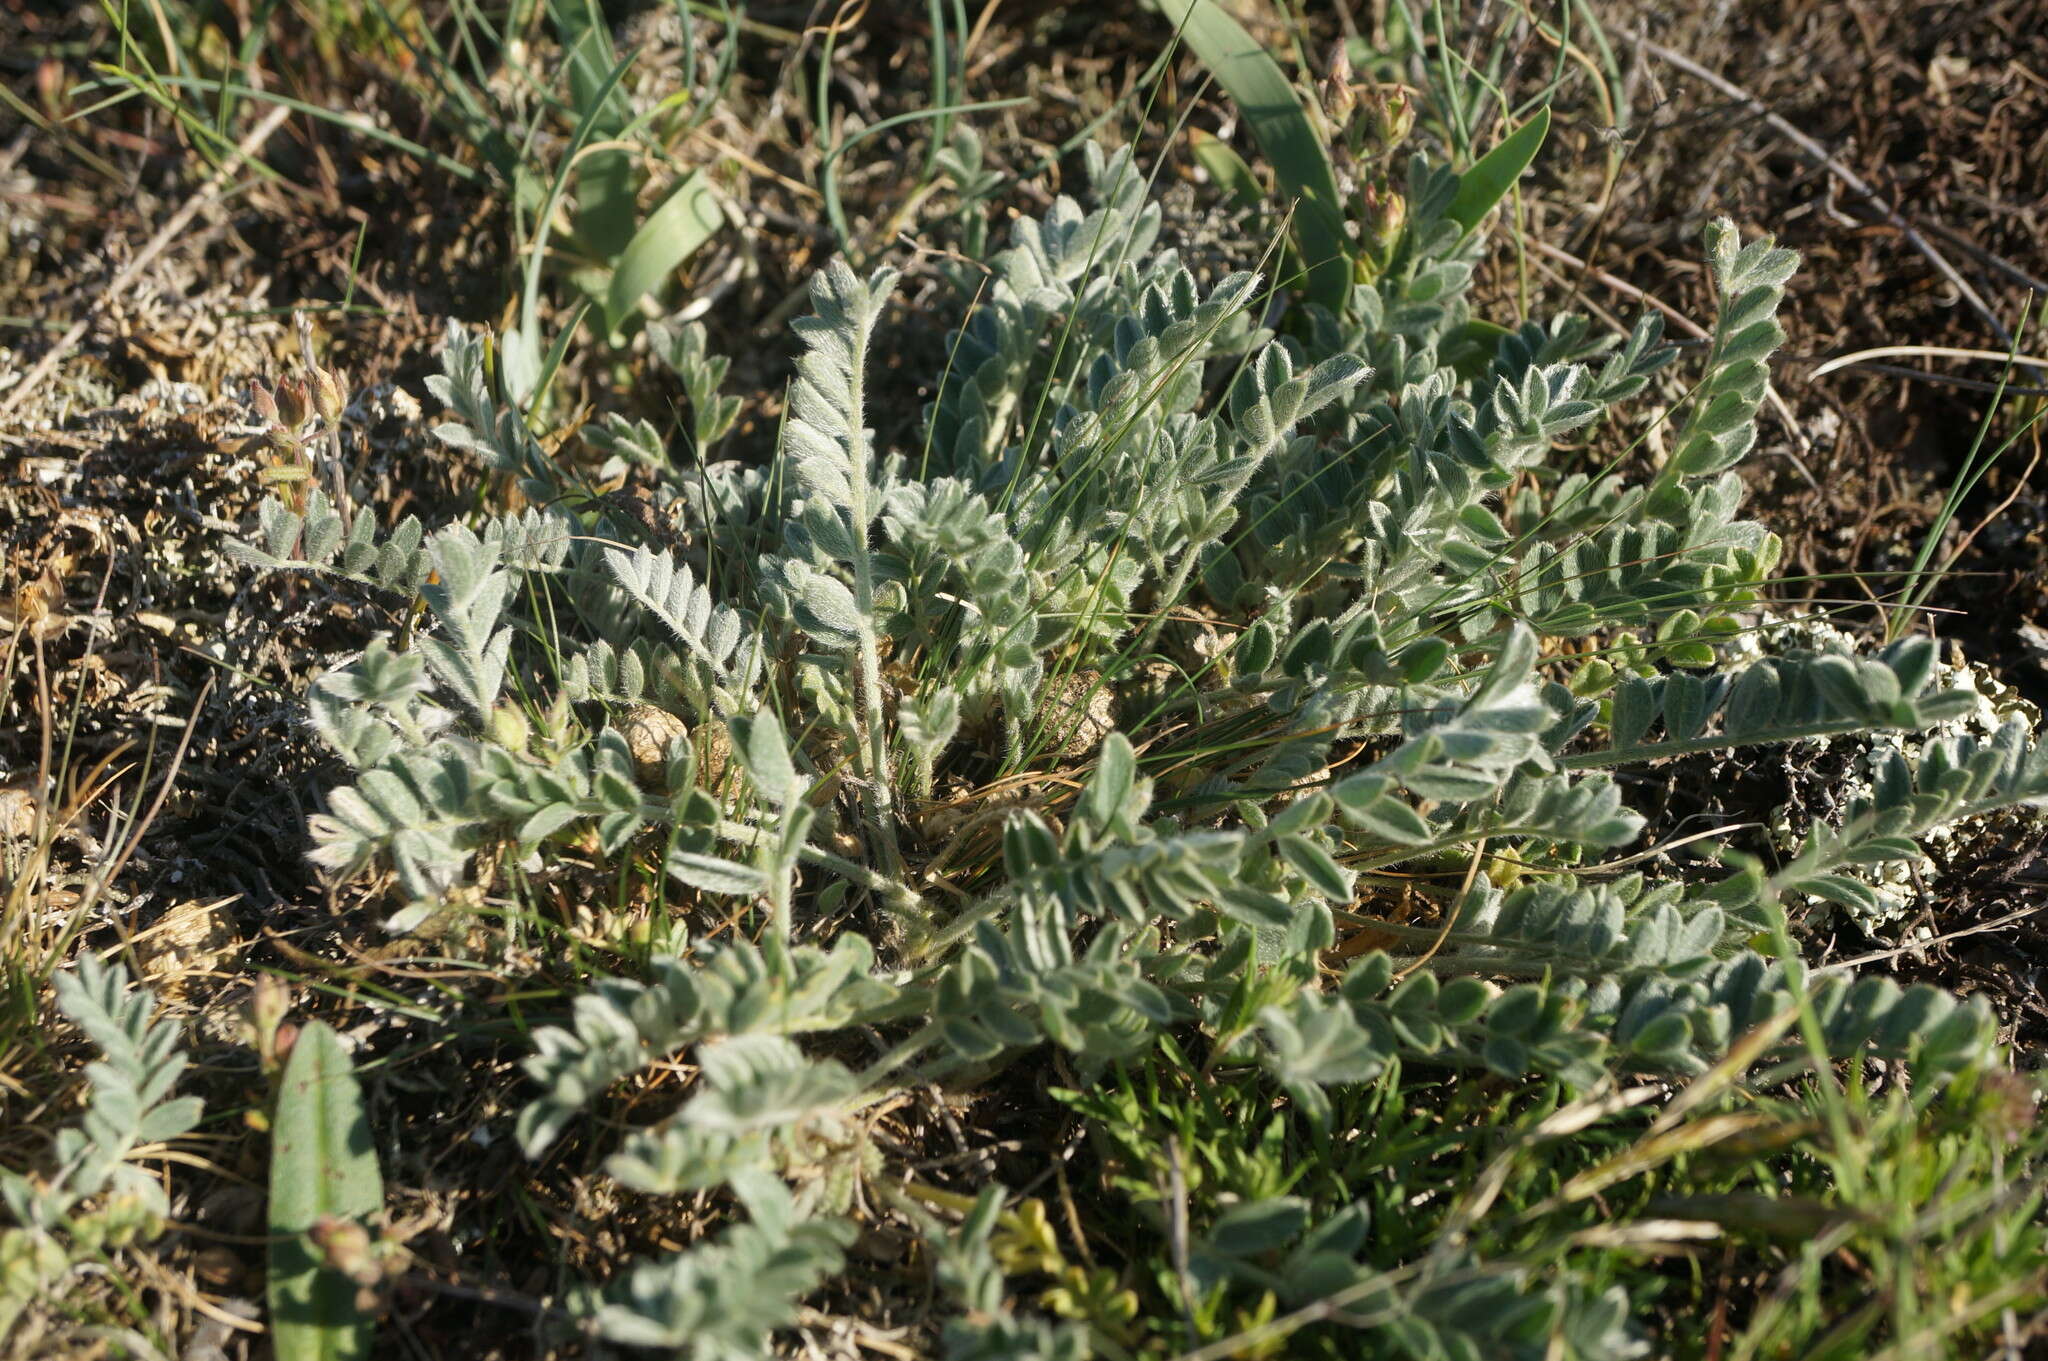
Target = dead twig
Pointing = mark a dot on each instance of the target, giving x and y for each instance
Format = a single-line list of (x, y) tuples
[(1833, 166), (1920, 947), (1621, 286), (1843, 361), (169, 232), (1990, 260)]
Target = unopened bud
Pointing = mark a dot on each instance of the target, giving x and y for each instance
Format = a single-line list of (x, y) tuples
[(1385, 214), (292, 403), (346, 1247), (1340, 100), (265, 404), (1339, 69), (510, 728), (328, 393), (555, 722), (1393, 120)]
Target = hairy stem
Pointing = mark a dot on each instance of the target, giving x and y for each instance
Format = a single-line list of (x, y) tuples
[(898, 895), (1651, 751)]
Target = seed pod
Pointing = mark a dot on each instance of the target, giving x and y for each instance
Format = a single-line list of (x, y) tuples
[(714, 755), (293, 403), (329, 396), (265, 404), (649, 733)]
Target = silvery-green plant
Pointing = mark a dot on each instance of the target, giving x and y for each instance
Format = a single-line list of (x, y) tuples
[(1189, 633), (93, 1198)]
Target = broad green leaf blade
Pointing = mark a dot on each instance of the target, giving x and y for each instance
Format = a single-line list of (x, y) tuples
[(544, 220), (1470, 348), (1495, 173), (606, 183), (1301, 163), (323, 1165), (1227, 168), (519, 365), (671, 234)]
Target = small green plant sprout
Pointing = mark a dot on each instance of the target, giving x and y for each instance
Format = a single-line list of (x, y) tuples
[(92, 1199), (302, 430), (1211, 665)]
